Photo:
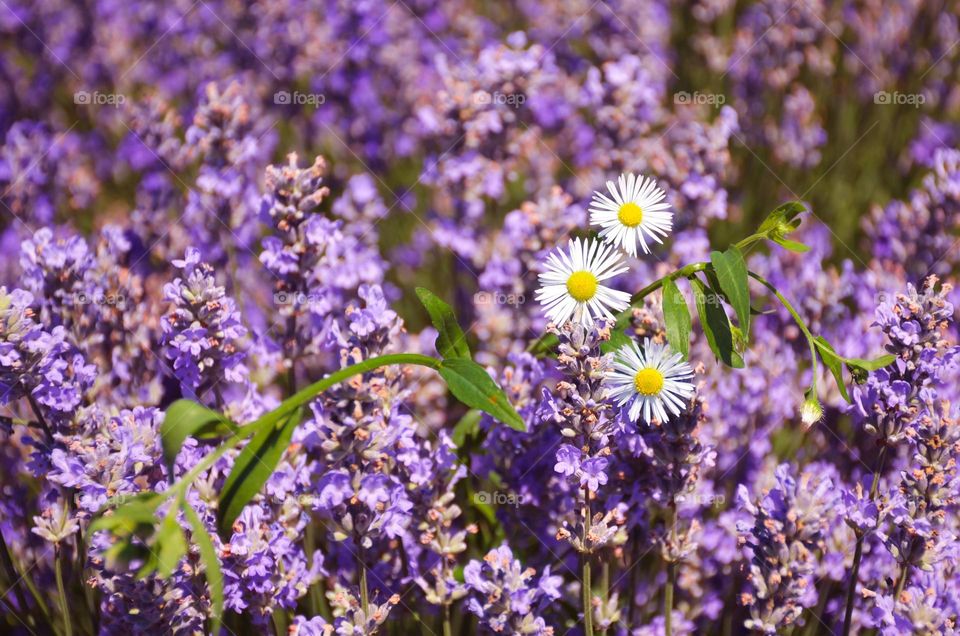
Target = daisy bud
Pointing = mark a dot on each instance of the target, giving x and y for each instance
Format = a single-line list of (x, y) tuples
[(810, 411)]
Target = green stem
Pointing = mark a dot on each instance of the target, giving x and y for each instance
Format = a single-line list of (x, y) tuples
[(786, 303), (447, 628), (364, 594), (58, 573), (683, 272), (671, 575), (605, 580), (902, 581), (796, 318), (587, 600), (858, 550), (586, 583), (290, 405)]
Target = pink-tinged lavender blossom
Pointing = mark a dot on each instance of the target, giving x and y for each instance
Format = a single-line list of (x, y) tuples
[(316, 263), (506, 597), (781, 537), (202, 333), (914, 324)]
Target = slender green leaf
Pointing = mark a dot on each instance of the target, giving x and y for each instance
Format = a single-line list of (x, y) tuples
[(169, 545), (872, 365), (715, 324), (793, 246), (731, 273), (471, 384), (451, 341), (253, 467), (128, 517), (676, 318), (185, 418), (834, 363), (211, 563)]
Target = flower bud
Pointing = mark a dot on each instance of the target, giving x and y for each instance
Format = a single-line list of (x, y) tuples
[(811, 411)]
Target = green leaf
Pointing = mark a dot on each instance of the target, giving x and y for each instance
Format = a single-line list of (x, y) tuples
[(834, 363), (731, 273), (169, 545), (872, 365), (466, 428), (793, 246), (134, 516), (451, 341), (471, 384), (213, 573), (185, 418), (617, 340), (253, 467), (676, 318), (715, 324)]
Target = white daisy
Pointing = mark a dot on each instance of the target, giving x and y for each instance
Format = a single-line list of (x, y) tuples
[(653, 380), (571, 289), (637, 208)]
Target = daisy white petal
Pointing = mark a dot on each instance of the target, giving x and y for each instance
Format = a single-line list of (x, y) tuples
[(652, 381), (571, 289), (635, 214)]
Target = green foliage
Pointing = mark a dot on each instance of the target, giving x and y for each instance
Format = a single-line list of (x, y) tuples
[(731, 271), (676, 318), (471, 384), (715, 324), (185, 418), (253, 467), (451, 341), (211, 564)]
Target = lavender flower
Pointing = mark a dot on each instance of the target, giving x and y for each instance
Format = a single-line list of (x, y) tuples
[(783, 532), (505, 596), (202, 333)]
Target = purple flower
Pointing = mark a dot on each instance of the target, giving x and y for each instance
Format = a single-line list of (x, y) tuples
[(593, 472), (568, 460)]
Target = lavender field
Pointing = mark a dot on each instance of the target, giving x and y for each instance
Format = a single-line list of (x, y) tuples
[(530, 317)]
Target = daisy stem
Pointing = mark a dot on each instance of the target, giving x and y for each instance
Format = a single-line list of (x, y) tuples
[(683, 272)]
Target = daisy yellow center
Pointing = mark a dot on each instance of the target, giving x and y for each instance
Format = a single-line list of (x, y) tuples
[(582, 286), (648, 381), (630, 214)]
